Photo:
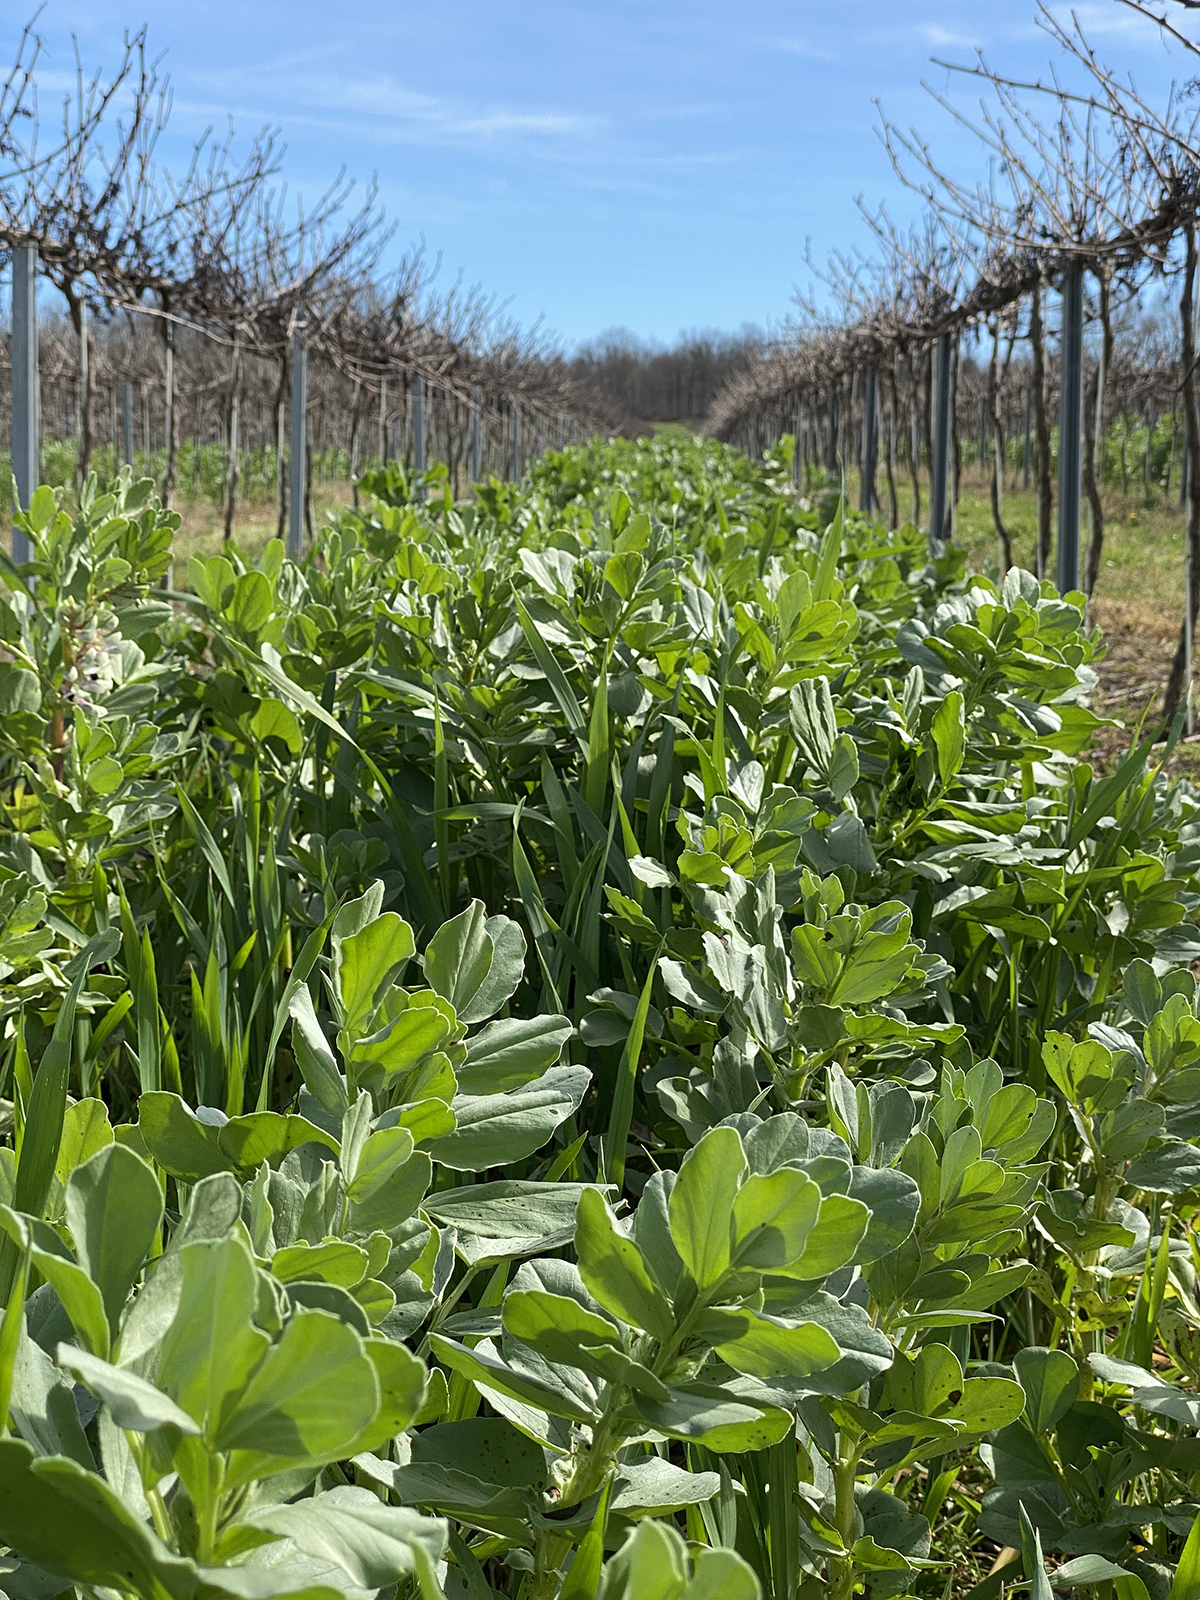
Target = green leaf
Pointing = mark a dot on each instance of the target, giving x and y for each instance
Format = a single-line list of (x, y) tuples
[(86, 1130), (211, 1347), (42, 1405), (178, 1140), (495, 1129), (768, 1347), (707, 1415), (1186, 1583), (81, 1299), (371, 1542), (987, 1404), (557, 1326), (614, 1269), (366, 965), (701, 1204), (335, 1261), (135, 1404), (316, 1060), (403, 1385), (507, 1218), (114, 1209), (621, 1113), (773, 1214), (274, 720), (389, 1182), (313, 1393), (511, 1052), (46, 1111), (949, 736), (246, 1142), (1050, 1380), (486, 1370), (71, 1523), (650, 1565), (459, 957)]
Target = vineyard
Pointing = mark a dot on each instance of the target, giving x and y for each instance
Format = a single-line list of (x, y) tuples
[(591, 1017)]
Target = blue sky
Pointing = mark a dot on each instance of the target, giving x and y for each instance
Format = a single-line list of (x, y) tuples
[(653, 164)]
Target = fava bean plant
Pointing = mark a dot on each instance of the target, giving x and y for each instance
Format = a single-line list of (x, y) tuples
[(604, 1041)]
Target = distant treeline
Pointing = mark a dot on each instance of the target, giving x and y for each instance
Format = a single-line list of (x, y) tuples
[(653, 383)]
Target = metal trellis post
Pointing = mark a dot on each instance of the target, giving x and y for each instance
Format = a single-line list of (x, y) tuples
[(516, 440), (127, 424), (418, 426), (25, 397), (866, 499), (1070, 431), (831, 459), (940, 466), (298, 443), (476, 433)]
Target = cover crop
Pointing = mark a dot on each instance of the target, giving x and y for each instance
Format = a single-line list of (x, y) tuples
[(604, 1041)]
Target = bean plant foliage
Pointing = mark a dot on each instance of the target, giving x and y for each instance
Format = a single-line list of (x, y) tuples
[(601, 1042)]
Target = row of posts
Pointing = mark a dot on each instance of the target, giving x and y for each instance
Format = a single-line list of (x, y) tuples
[(1070, 449), (26, 423)]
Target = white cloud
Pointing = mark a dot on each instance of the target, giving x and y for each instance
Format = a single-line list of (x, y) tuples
[(789, 45), (376, 103), (947, 39)]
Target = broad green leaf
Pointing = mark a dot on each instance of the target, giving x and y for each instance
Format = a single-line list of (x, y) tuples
[(274, 720), (135, 1404), (403, 1385), (766, 1347), (390, 1181), (486, 1370), (367, 964), (701, 1204), (833, 1242), (924, 1383), (893, 1200), (459, 957), (507, 970), (495, 1129), (211, 1347), (114, 1209), (86, 1129), (248, 1141), (773, 1214), (555, 1325), (177, 1139), (949, 736), (1050, 1380), (71, 1523), (322, 1078), (335, 1261), (81, 1298), (706, 1415), (311, 1396), (987, 1404), (651, 1565), (405, 1043), (371, 1542), (614, 1269), (506, 1054), (507, 1218), (42, 1405)]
